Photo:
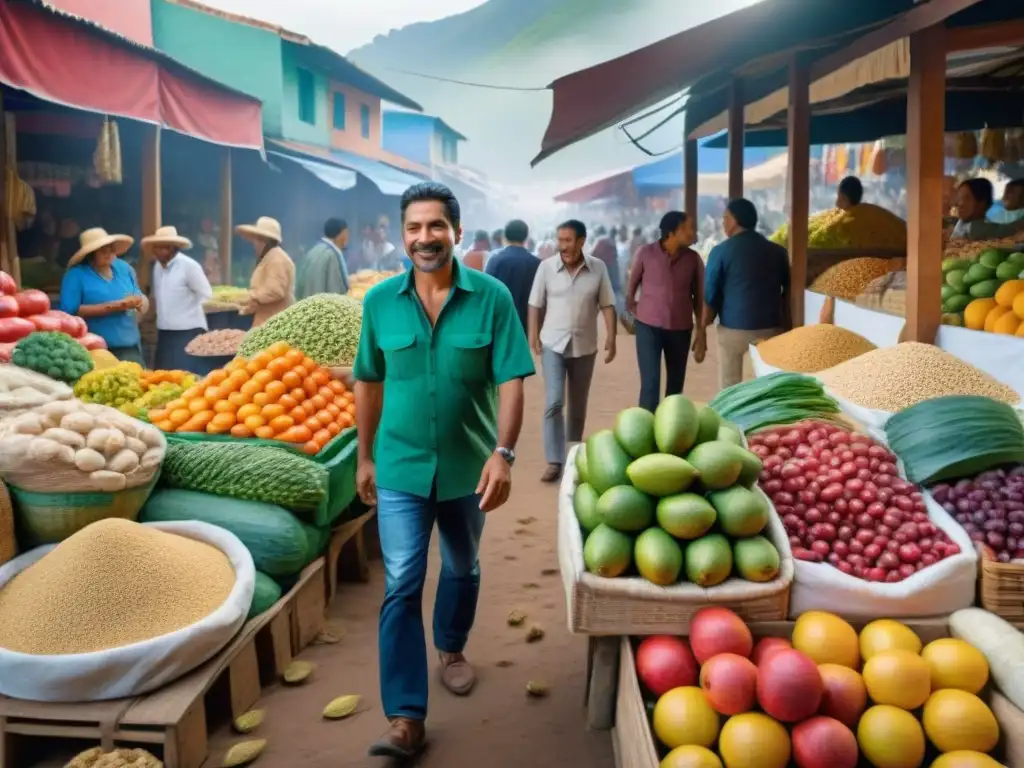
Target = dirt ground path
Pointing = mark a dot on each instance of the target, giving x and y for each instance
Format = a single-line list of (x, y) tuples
[(498, 725)]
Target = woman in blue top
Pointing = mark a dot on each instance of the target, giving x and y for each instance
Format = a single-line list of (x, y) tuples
[(102, 288)]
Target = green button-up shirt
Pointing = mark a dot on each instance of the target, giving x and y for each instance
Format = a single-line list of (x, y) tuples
[(440, 412)]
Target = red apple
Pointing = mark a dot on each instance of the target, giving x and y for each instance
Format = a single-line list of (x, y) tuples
[(730, 683), (719, 630), (822, 742), (664, 663), (845, 696), (789, 686), (767, 646)]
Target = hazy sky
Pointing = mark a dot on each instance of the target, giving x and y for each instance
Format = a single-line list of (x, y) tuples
[(345, 24)]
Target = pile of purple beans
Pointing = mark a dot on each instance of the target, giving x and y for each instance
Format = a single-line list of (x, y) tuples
[(990, 508)]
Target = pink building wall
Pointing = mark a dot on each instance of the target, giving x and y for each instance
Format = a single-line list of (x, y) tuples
[(131, 18)]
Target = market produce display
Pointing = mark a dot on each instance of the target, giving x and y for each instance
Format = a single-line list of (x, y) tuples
[(778, 398), (54, 354), (813, 348), (848, 279), (28, 311), (990, 507), (983, 289), (220, 343), (73, 446), (843, 502), (116, 386), (278, 394), (21, 389), (363, 280), (681, 483), (325, 327), (897, 377), (97, 757), (826, 698), (227, 297), (112, 584), (866, 226)]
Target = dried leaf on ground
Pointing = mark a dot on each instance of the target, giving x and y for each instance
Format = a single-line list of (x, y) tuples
[(534, 633), (249, 721), (243, 753), (537, 688), (516, 618), (298, 672), (342, 707)]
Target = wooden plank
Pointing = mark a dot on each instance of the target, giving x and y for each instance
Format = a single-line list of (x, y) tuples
[(736, 129), (227, 232), (1008, 33), (350, 531), (690, 170), (926, 113), (244, 680), (799, 183), (152, 205), (309, 606), (604, 683)]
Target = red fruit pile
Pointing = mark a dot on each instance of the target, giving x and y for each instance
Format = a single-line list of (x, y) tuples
[(842, 502)]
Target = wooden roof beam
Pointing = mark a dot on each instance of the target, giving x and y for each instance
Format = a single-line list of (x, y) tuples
[(1004, 33), (920, 17)]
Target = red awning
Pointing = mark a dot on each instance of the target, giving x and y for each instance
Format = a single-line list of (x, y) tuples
[(70, 61)]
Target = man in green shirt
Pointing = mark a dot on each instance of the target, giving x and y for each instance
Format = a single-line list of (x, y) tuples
[(439, 404)]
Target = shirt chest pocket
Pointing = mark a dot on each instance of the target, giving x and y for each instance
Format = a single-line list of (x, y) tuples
[(402, 357), (466, 357)]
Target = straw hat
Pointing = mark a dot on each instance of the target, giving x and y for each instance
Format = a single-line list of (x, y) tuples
[(91, 240), (167, 236), (265, 228)]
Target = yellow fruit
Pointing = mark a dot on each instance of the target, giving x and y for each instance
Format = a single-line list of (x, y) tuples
[(976, 312), (1018, 305), (955, 664), (827, 639), (298, 672), (957, 720), (249, 721), (342, 707), (993, 315), (965, 759), (1008, 292), (1020, 329), (243, 753), (754, 740), (900, 678), (683, 717), (691, 757), (1008, 323), (887, 635), (890, 737)]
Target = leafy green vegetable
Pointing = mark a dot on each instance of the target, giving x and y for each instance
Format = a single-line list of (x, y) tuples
[(53, 354), (779, 398)]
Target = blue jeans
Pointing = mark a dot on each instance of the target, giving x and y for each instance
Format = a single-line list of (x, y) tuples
[(406, 523)]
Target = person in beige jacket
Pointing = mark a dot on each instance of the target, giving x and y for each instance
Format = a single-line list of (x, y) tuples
[(272, 286)]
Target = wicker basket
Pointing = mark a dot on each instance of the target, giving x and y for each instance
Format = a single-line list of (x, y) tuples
[(1002, 589), (48, 518), (8, 542), (633, 606)]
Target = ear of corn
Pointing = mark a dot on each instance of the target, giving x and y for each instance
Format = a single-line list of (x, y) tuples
[(341, 707)]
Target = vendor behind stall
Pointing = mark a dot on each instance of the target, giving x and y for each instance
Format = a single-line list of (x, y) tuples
[(272, 287), (973, 200), (102, 288), (180, 288)]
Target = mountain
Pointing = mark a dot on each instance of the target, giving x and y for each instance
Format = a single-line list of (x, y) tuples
[(525, 44)]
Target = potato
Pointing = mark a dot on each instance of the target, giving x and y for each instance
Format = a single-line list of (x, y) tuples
[(80, 422), (152, 458), (124, 461), (105, 480), (106, 441), (152, 437), (28, 424), (65, 437), (135, 445), (89, 460)]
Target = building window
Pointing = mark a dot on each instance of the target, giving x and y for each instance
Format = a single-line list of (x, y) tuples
[(339, 111), (307, 97), (364, 120), (449, 150)]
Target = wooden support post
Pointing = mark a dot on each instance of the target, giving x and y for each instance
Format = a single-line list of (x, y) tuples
[(152, 207), (690, 177), (226, 226), (9, 261), (799, 183), (736, 129), (602, 682), (926, 119)]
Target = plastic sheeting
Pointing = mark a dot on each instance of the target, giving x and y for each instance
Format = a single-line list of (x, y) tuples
[(331, 175)]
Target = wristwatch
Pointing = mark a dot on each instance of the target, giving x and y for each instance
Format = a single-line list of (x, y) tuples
[(507, 454)]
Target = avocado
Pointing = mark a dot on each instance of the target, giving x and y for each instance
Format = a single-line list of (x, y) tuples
[(708, 560), (661, 474), (675, 425), (685, 515), (991, 258), (658, 557), (756, 559), (584, 504), (718, 462), (626, 509), (607, 552), (985, 289), (634, 429), (708, 422), (741, 512)]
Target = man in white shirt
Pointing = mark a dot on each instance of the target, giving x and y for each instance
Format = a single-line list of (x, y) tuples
[(569, 291), (180, 289)]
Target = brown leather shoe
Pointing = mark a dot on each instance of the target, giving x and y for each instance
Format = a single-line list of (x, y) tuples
[(456, 674), (552, 474), (404, 740)]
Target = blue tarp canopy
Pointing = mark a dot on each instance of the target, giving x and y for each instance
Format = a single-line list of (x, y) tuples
[(667, 171), (331, 175), (389, 180)]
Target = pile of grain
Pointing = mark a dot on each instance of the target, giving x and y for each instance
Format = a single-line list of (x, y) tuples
[(813, 348), (848, 279), (112, 584), (894, 378)]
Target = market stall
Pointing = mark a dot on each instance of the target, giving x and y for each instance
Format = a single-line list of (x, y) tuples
[(224, 500)]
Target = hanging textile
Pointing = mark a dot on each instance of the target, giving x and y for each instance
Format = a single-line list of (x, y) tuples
[(106, 159)]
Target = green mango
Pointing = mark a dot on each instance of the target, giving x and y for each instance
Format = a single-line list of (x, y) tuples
[(948, 265), (948, 292), (985, 289), (979, 273), (955, 278), (958, 303)]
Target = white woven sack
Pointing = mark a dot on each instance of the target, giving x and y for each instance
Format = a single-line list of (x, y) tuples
[(141, 667), (867, 417), (761, 368)]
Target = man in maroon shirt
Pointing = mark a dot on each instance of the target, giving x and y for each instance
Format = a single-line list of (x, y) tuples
[(670, 278)]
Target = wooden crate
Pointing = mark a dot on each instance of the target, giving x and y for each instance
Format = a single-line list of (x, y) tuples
[(349, 539), (308, 606), (1001, 586), (174, 718), (634, 741)]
